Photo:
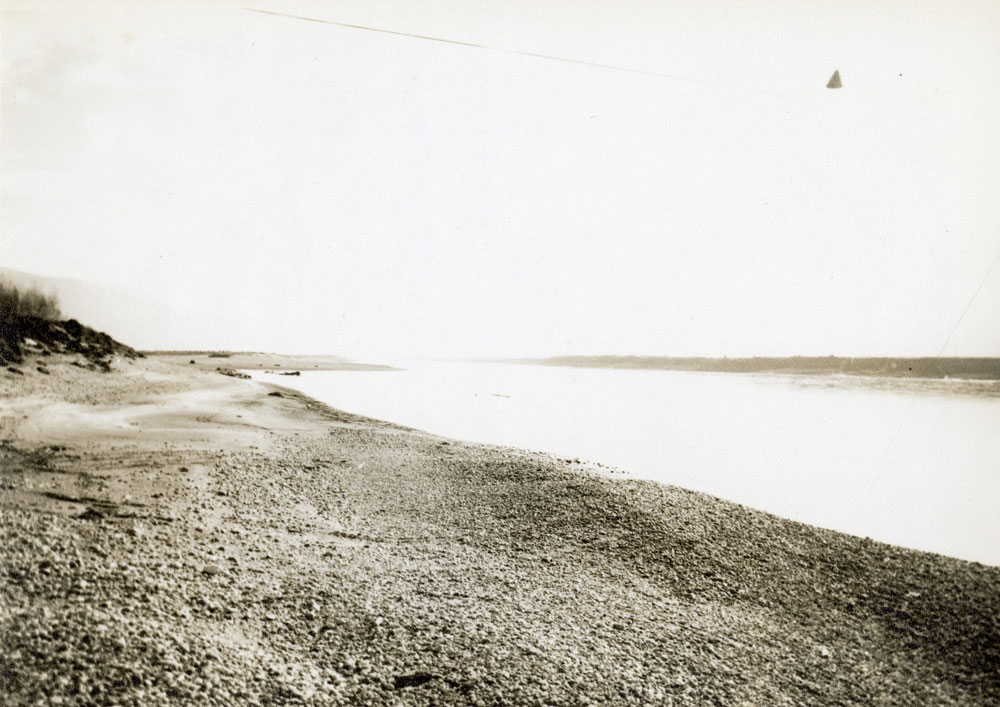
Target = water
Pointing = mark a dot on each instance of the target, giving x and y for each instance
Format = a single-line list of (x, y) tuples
[(910, 462)]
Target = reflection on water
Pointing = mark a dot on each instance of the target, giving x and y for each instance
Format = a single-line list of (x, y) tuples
[(907, 461)]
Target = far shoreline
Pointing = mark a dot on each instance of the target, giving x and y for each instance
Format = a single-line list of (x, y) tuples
[(928, 367)]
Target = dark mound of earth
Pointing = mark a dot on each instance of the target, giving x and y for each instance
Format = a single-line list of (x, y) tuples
[(22, 336)]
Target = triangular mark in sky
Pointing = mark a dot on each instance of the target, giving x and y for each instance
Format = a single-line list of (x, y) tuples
[(834, 81)]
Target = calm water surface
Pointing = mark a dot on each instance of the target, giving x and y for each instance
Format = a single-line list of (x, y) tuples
[(914, 463)]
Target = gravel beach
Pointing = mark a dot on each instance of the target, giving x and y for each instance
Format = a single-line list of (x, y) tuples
[(175, 536)]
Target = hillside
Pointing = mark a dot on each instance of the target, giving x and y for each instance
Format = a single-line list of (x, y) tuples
[(31, 337), (133, 316)]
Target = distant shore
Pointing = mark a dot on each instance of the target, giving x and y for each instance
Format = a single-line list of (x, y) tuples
[(172, 535), (211, 360), (981, 368)]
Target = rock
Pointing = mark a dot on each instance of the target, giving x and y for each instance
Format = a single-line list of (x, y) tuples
[(91, 514), (211, 570), (412, 680), (275, 394), (42, 369)]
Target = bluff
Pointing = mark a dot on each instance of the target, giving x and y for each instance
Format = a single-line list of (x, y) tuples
[(25, 335)]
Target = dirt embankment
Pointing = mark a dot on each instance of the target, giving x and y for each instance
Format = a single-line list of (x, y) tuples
[(174, 536), (25, 336)]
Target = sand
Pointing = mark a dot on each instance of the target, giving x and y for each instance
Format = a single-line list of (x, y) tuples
[(176, 536)]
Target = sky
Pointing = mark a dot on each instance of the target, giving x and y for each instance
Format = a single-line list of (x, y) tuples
[(296, 186)]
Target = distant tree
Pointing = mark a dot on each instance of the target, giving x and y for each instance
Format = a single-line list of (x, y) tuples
[(30, 302)]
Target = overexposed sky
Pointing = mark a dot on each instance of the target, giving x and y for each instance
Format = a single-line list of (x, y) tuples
[(296, 186)]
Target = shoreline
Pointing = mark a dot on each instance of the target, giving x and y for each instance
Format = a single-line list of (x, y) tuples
[(179, 536), (884, 486), (253, 361)]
